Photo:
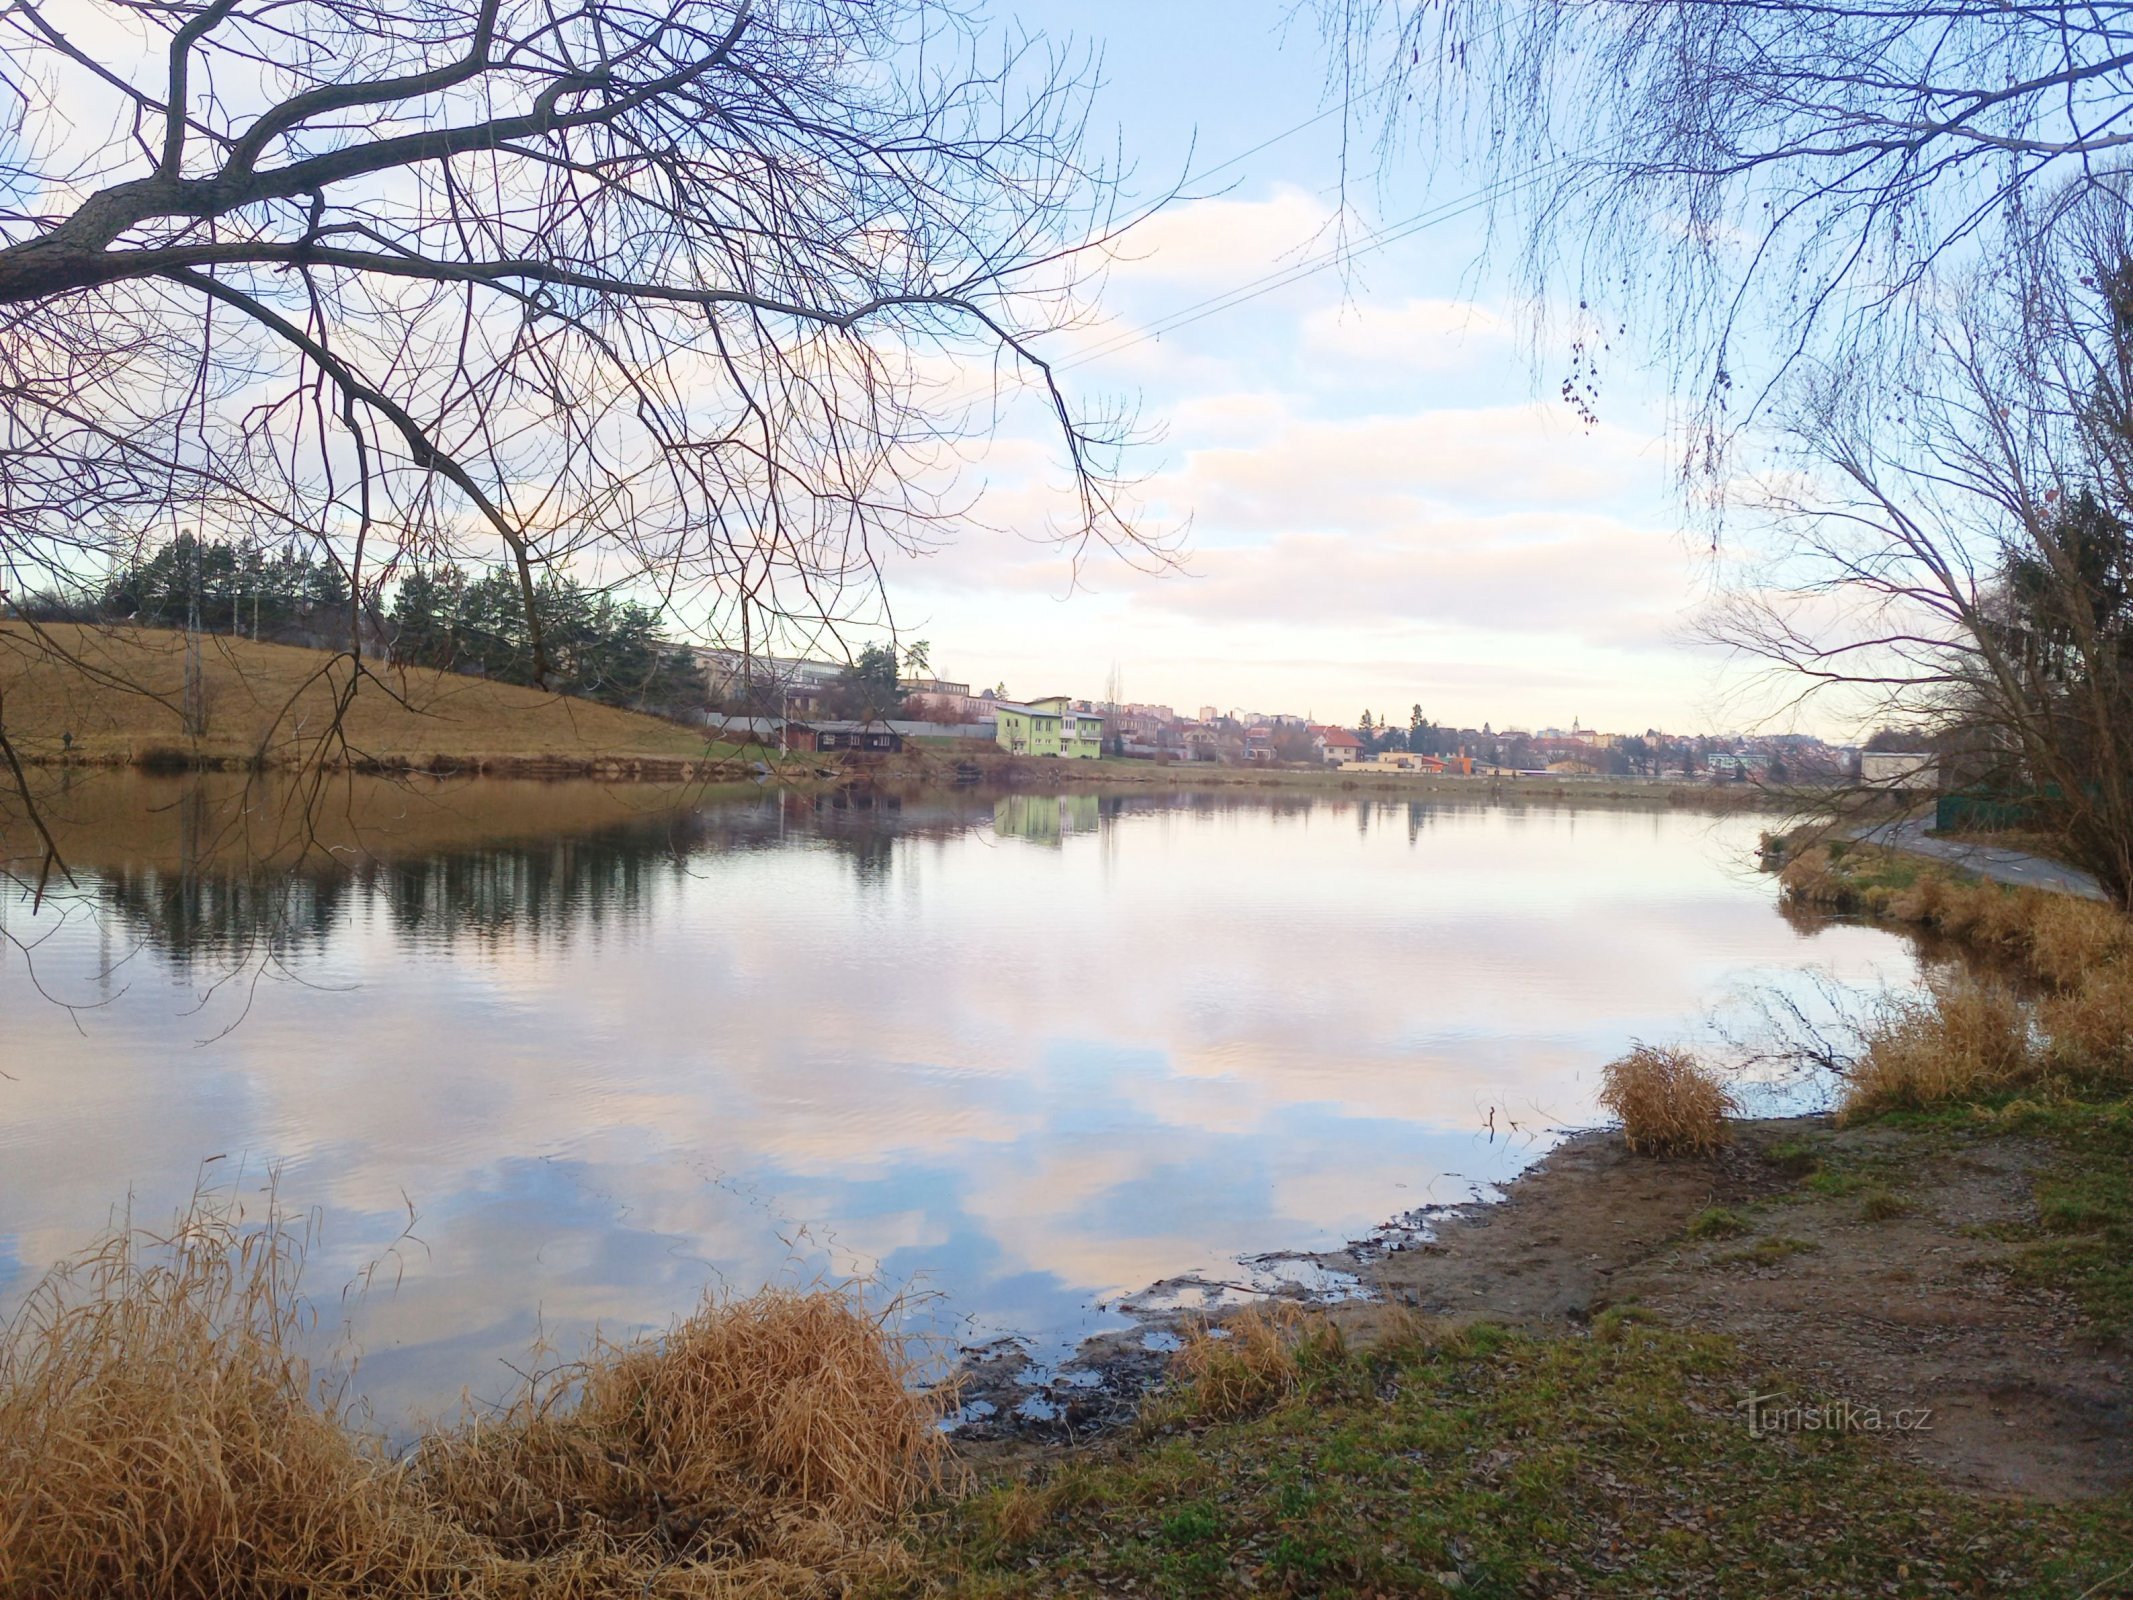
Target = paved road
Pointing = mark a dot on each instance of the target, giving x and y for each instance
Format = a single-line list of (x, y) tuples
[(1987, 861)]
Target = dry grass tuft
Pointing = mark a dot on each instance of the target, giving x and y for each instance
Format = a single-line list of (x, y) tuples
[(2070, 937), (1963, 1038), (1811, 878), (2090, 1024), (158, 1437), (1669, 1103), (1250, 1361), (774, 1424)]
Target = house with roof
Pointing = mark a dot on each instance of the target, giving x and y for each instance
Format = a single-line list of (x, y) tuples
[(1337, 745), (1049, 726)]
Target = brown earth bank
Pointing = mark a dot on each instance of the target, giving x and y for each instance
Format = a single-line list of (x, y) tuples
[(1876, 1267), (1872, 1273)]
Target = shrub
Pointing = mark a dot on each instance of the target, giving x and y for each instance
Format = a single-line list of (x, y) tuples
[(1963, 1038), (160, 1437), (1668, 1102)]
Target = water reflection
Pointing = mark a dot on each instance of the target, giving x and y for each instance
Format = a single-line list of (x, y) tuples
[(1034, 1051)]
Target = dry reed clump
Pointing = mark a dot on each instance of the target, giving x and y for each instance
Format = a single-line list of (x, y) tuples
[(1250, 1361), (2090, 1024), (1811, 878), (1669, 1103), (778, 1426), (2070, 937), (159, 1437), (1963, 1038)]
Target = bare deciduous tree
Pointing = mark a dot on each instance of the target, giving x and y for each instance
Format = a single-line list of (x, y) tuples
[(1955, 552), (685, 292), (1753, 183)]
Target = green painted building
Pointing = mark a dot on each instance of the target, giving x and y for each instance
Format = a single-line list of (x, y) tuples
[(1049, 727)]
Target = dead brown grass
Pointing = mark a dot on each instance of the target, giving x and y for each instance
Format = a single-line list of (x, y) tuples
[(2070, 937), (159, 1437), (1669, 1103), (1963, 1038), (2090, 1024), (119, 692), (1811, 878), (1246, 1362)]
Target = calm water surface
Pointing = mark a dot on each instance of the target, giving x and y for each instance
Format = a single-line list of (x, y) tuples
[(1031, 1054)]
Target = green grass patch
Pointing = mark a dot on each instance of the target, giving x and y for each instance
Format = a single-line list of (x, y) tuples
[(1615, 1464), (1878, 1205), (1835, 1183), (2085, 1209), (1717, 1222), (2082, 1239), (1766, 1252)]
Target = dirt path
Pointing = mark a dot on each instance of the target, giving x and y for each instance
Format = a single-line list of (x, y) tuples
[(1888, 1291)]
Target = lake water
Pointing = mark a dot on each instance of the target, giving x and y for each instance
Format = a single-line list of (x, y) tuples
[(1031, 1053)]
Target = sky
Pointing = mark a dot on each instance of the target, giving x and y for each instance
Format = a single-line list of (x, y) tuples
[(1384, 501)]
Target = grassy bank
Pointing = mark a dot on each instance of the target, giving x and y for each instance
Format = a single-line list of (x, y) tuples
[(159, 1437), (2050, 1010), (1986, 1130), (1448, 1460), (116, 696)]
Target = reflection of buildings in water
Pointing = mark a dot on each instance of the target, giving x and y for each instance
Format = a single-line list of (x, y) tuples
[(1046, 818)]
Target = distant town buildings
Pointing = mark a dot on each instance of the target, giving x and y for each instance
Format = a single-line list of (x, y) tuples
[(785, 692)]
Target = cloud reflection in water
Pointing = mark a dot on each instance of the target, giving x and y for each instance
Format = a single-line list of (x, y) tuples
[(1031, 1054)]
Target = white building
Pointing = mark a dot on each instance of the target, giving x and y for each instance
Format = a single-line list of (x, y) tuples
[(1899, 771)]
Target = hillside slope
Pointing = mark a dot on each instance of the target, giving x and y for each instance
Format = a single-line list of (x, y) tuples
[(119, 692)]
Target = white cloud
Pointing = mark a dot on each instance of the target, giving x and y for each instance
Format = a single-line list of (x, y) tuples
[(1219, 244)]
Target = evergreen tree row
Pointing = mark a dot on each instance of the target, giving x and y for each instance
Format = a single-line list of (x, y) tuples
[(597, 647), (444, 617)]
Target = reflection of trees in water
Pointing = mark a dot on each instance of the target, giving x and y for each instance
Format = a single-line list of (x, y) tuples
[(568, 885), (553, 888), (190, 915), (547, 889)]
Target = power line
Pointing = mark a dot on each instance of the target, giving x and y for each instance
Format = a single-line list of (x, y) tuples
[(1282, 277)]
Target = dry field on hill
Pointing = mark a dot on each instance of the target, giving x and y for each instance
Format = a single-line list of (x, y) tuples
[(120, 693)]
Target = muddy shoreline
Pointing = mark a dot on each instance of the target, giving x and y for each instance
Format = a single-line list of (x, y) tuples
[(1892, 1291)]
